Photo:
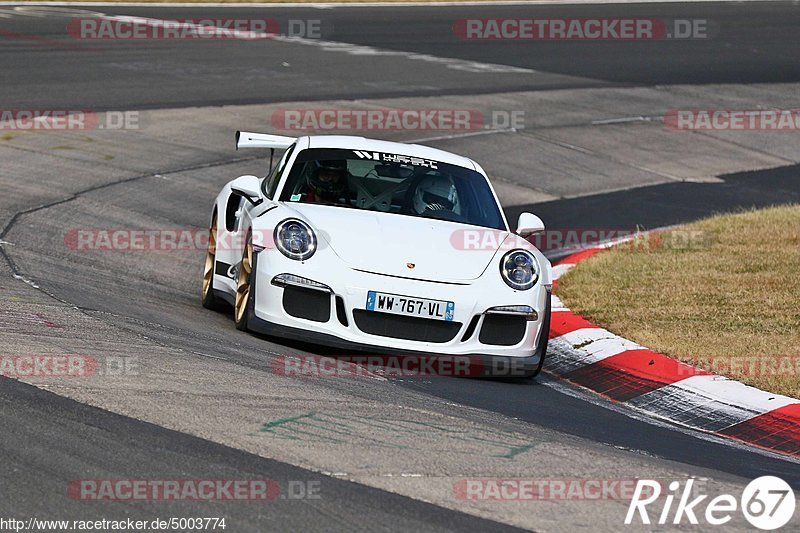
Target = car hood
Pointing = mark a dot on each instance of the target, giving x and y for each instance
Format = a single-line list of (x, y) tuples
[(389, 244)]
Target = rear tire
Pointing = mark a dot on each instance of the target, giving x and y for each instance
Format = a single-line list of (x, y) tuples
[(208, 299)]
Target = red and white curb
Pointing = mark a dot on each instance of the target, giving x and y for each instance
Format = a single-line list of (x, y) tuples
[(596, 359)]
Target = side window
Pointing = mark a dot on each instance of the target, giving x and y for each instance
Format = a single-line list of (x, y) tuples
[(271, 183)]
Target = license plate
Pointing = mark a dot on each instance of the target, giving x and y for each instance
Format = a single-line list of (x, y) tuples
[(410, 306)]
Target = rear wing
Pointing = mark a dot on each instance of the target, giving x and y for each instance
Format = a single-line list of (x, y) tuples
[(246, 139)]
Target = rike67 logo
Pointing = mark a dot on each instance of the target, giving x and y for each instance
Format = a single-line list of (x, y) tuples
[(767, 503)]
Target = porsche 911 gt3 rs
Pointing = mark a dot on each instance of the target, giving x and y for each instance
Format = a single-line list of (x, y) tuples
[(382, 247)]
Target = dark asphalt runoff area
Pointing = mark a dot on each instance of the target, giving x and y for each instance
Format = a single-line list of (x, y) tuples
[(48, 440)]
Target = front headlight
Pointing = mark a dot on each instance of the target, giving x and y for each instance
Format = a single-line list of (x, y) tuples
[(519, 269), (295, 239)]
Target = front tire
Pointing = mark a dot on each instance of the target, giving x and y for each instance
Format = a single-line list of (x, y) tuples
[(543, 339), (241, 310)]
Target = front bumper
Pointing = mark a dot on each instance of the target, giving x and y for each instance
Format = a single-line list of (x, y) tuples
[(337, 311)]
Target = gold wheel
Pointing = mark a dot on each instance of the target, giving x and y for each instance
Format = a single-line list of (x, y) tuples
[(243, 285), (208, 270), (208, 298)]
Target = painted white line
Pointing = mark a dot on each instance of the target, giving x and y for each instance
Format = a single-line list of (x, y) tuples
[(182, 27), (475, 67), (561, 269), (562, 253), (26, 280), (584, 347), (733, 392), (462, 135), (210, 356), (624, 120), (711, 403), (39, 11), (556, 304)]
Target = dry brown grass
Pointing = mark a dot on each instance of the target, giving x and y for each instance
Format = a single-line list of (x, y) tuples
[(729, 301)]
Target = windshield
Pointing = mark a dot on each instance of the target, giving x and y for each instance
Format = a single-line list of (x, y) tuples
[(392, 183)]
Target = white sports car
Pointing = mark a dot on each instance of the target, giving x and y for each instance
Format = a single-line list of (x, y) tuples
[(382, 247)]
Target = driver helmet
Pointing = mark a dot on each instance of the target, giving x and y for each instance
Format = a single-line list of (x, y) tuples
[(436, 193), (328, 179)]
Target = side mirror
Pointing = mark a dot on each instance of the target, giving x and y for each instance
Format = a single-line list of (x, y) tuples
[(248, 187), (528, 224)]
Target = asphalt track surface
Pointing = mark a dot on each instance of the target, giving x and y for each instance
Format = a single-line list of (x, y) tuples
[(48, 440), (757, 45)]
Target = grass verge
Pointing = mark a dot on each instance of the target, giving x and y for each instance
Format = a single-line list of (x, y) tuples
[(722, 293)]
